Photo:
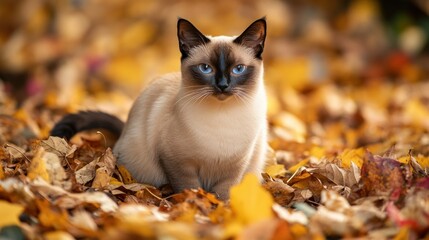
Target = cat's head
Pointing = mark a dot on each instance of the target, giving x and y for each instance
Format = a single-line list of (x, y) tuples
[(221, 66)]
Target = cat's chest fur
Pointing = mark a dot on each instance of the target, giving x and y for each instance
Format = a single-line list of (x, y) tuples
[(226, 133)]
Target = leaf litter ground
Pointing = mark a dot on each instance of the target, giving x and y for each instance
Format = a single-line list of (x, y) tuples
[(332, 172)]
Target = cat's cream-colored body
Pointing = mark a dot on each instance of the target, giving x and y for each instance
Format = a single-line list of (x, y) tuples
[(209, 143), (203, 127)]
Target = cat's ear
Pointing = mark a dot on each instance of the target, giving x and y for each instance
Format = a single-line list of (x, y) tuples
[(254, 37), (189, 36)]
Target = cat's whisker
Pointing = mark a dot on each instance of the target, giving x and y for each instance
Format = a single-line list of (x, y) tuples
[(243, 96), (185, 96), (196, 86), (243, 100), (195, 98), (205, 96)]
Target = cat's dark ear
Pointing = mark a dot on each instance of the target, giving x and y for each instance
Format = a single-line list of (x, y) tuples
[(254, 37), (189, 36)]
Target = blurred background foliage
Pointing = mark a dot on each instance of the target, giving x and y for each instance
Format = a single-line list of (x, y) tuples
[(325, 60), (104, 44)]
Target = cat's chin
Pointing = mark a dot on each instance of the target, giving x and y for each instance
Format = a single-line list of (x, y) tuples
[(222, 96)]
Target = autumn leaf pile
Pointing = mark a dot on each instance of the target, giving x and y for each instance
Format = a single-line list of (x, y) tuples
[(348, 123)]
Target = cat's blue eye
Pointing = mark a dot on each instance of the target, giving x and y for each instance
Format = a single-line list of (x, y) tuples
[(239, 69), (205, 68)]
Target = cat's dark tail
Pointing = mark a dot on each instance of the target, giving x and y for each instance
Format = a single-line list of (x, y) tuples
[(71, 124)]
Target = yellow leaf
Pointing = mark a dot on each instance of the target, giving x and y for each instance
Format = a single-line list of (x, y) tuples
[(404, 159), (352, 155), (176, 230), (417, 113), (423, 161), (187, 216), (317, 152), (250, 202), (2, 176), (126, 176), (106, 166), (115, 182), (275, 170), (232, 229), (101, 180), (298, 230), (37, 166), (9, 213), (58, 235), (404, 233), (298, 165)]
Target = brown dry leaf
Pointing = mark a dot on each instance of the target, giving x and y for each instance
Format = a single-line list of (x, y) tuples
[(57, 174), (291, 216), (87, 173), (381, 176), (83, 220), (59, 219), (338, 217), (337, 175), (281, 192), (15, 152), (103, 174), (58, 146), (17, 190), (47, 165), (71, 200)]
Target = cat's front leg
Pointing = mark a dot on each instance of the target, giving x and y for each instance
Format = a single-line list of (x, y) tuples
[(221, 189), (182, 176)]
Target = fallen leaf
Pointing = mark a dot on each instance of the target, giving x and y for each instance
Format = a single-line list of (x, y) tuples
[(291, 216), (87, 173), (275, 170), (281, 192), (83, 220), (48, 166), (56, 145), (250, 202), (37, 166), (381, 176), (126, 176), (2, 175), (58, 235), (106, 166), (352, 155), (338, 175), (262, 230), (10, 213), (70, 200)]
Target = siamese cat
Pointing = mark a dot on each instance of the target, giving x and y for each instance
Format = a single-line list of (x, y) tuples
[(203, 127)]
